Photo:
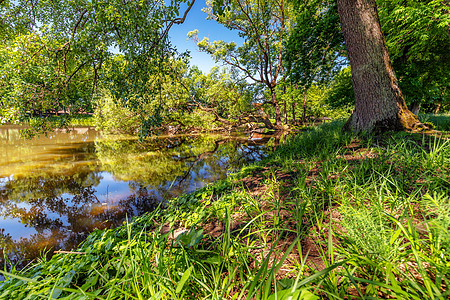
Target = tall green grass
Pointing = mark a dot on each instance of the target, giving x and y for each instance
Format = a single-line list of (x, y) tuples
[(334, 216)]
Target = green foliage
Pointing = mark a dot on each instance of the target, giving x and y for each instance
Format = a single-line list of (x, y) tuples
[(340, 91), (264, 26), (439, 121), (113, 115), (316, 142), (169, 101), (417, 38), (186, 99), (34, 83), (56, 60), (221, 91), (317, 105), (416, 34), (438, 207), (374, 211), (366, 230), (314, 49), (311, 105)]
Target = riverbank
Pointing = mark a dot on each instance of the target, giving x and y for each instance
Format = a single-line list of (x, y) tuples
[(327, 214), (56, 189)]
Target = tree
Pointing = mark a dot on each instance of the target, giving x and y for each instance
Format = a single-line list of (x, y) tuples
[(418, 41), (77, 37), (35, 80), (186, 98), (340, 90), (220, 92), (315, 48), (379, 103), (264, 25)]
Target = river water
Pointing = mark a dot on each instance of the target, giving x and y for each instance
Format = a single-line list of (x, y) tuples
[(56, 189)]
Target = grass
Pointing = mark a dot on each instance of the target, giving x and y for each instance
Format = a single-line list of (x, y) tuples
[(326, 215), (66, 120), (82, 120), (440, 121), (36, 125)]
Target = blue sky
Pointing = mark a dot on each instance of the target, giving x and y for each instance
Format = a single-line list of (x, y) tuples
[(196, 19)]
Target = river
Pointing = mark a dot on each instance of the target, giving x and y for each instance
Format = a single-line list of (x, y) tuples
[(56, 189)]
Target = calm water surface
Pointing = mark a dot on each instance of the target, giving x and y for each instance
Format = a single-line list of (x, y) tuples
[(56, 189)]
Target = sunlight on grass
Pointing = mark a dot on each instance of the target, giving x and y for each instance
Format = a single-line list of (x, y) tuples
[(326, 215)]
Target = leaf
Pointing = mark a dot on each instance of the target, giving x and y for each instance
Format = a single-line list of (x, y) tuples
[(302, 294), (17, 277), (183, 279), (395, 236), (67, 279), (215, 260), (191, 238)]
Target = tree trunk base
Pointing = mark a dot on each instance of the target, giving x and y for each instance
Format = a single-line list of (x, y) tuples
[(404, 120)]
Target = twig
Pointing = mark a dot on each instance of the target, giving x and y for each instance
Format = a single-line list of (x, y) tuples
[(69, 252)]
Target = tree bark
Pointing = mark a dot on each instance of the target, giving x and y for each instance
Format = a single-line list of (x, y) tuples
[(379, 104), (415, 108), (293, 113), (285, 107), (304, 106), (278, 122)]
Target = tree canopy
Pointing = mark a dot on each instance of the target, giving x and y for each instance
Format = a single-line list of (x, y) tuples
[(418, 40), (265, 26), (77, 56), (315, 49), (54, 51)]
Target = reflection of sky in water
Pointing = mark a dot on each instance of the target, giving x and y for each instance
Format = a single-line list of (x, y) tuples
[(4, 180), (15, 228), (109, 190), (93, 196)]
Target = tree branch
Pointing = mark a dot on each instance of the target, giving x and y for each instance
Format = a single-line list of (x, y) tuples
[(175, 21)]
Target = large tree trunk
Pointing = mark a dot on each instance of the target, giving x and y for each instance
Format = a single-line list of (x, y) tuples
[(379, 102)]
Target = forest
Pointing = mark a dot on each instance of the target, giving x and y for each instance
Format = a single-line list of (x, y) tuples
[(351, 202)]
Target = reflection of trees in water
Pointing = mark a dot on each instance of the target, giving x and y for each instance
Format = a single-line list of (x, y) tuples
[(38, 203), (10, 134), (140, 202), (62, 223), (42, 193), (177, 164), (38, 245), (58, 152), (226, 156), (163, 167)]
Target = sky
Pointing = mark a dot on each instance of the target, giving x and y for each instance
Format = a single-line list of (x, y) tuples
[(196, 19)]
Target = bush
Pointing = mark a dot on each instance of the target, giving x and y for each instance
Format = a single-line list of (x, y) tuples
[(114, 116)]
